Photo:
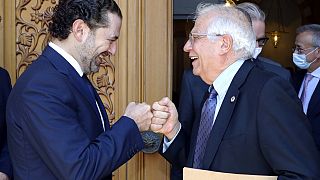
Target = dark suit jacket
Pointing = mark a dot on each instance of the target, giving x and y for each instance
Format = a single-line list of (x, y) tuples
[(269, 61), (264, 131), (271, 66), (193, 90), (313, 111), (5, 164), (192, 94), (54, 128)]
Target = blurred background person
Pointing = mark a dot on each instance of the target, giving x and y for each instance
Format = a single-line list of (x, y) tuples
[(306, 57), (5, 163), (257, 17)]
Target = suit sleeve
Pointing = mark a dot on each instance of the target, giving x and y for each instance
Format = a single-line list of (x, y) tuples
[(285, 134), (5, 163), (186, 104), (177, 153), (49, 116)]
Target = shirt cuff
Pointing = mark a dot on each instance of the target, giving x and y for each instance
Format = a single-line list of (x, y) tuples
[(167, 143)]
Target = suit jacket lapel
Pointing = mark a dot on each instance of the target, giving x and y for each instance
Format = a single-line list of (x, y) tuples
[(225, 114), (315, 98), (314, 102), (297, 79), (65, 68), (102, 109)]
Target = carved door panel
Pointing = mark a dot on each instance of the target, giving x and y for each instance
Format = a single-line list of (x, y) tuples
[(136, 73)]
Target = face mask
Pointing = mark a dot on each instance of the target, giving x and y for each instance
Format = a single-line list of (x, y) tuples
[(256, 52), (300, 60)]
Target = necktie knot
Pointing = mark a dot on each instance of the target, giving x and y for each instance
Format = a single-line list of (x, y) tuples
[(212, 93), (308, 77), (84, 77)]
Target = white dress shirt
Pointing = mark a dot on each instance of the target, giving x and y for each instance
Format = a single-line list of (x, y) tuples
[(221, 85), (309, 89)]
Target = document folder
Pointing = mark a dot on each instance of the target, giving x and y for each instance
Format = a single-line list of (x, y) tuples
[(198, 174)]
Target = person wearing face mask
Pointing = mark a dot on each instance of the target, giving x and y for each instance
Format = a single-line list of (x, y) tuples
[(306, 56), (257, 17)]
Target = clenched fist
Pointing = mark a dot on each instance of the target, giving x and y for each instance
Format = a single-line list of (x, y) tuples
[(140, 113), (165, 118)]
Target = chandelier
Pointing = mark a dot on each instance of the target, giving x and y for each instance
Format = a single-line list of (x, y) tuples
[(274, 21), (230, 3)]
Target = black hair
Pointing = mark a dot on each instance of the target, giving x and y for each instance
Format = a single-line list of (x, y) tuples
[(93, 12)]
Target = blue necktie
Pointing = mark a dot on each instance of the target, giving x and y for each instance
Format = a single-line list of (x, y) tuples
[(206, 123), (88, 83), (97, 101)]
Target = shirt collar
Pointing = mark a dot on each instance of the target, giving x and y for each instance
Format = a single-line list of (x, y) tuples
[(72, 61), (316, 73), (223, 81)]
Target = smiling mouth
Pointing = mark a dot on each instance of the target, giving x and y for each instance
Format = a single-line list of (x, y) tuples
[(192, 58)]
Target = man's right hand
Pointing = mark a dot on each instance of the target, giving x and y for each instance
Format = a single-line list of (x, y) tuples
[(140, 113), (165, 118)]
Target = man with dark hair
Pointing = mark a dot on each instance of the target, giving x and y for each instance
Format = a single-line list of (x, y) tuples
[(5, 164), (306, 57), (57, 124)]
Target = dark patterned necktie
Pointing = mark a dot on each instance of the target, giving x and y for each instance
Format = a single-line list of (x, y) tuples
[(96, 101), (206, 123), (90, 87)]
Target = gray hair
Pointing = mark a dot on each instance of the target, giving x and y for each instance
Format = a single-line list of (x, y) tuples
[(314, 29), (230, 20), (255, 13)]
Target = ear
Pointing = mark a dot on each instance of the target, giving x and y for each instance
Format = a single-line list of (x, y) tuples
[(80, 30), (226, 44)]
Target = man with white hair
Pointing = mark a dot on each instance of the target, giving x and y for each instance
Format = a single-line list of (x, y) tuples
[(251, 120)]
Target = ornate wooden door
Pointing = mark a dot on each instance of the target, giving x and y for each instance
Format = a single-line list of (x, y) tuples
[(140, 71)]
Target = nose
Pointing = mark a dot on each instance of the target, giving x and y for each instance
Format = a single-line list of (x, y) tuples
[(187, 47), (112, 48)]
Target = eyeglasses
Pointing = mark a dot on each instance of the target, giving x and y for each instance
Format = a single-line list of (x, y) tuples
[(193, 36), (299, 50), (262, 41)]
